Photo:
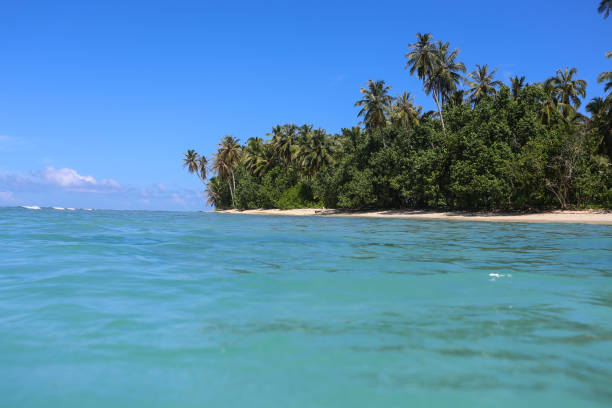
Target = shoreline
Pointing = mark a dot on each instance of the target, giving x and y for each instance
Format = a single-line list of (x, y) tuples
[(602, 217)]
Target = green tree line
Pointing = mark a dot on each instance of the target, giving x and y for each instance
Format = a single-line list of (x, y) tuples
[(487, 146)]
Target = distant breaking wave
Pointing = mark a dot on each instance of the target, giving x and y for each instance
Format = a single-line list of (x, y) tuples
[(30, 207)]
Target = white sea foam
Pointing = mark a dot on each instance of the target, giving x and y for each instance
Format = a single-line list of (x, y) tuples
[(70, 209), (30, 207), (58, 208), (496, 275)]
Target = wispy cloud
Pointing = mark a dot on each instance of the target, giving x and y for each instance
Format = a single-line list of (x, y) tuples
[(50, 184)]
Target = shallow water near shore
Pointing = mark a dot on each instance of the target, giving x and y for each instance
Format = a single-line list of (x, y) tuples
[(163, 309)]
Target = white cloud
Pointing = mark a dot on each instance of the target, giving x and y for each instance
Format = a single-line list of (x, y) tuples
[(64, 186), (71, 179), (66, 177)]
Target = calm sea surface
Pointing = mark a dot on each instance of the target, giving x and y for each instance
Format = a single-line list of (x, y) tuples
[(162, 309)]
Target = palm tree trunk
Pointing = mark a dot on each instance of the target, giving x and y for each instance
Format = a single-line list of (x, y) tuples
[(231, 193), (435, 96)]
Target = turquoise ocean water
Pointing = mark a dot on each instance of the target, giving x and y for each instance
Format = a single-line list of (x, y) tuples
[(162, 309)]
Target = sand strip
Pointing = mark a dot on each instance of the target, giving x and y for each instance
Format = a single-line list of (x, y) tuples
[(582, 216)]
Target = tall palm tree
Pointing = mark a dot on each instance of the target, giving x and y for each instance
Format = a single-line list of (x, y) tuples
[(516, 84), (227, 157), (605, 6), (421, 56), (195, 164), (444, 78), (437, 67), (481, 83), (567, 89), (375, 102)]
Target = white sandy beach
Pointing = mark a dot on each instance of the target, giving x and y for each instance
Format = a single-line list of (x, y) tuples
[(582, 216)]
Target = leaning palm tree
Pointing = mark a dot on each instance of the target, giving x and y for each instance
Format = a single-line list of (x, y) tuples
[(374, 103), (605, 6), (443, 80), (481, 83), (227, 157), (195, 164), (567, 89), (516, 84), (437, 67)]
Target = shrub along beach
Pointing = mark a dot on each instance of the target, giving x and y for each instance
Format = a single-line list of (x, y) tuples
[(488, 146)]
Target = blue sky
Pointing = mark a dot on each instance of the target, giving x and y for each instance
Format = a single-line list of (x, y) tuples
[(98, 100)]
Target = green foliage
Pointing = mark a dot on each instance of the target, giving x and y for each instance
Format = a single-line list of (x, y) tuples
[(516, 147), (298, 196)]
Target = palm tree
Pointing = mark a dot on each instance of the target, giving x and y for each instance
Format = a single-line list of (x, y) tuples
[(404, 112), (437, 67), (456, 98), (444, 78), (601, 119), (516, 84), (607, 78), (567, 89), (283, 140), (195, 164), (213, 197), (374, 104), (548, 103), (226, 159), (252, 153), (315, 152), (605, 6), (482, 83), (421, 56)]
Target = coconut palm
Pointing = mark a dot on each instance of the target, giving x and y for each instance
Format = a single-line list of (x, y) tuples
[(227, 157), (195, 164), (605, 6), (443, 80), (421, 56), (607, 78), (404, 113), (213, 197), (374, 104), (252, 153), (601, 120), (315, 152), (283, 141), (516, 84), (481, 83), (567, 90), (456, 98)]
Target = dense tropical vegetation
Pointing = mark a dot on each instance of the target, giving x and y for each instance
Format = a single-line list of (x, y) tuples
[(487, 146)]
